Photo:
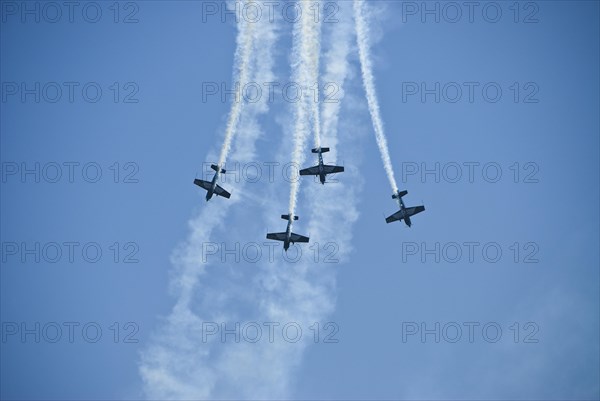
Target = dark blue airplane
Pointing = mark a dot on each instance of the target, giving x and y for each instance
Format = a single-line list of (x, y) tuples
[(288, 236), (212, 187), (404, 212), (322, 169)]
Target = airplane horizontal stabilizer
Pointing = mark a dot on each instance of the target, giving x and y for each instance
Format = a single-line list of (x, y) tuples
[(322, 150), (287, 217), (399, 194), (216, 168)]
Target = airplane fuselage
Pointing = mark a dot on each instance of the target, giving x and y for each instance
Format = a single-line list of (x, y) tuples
[(403, 210), (213, 185), (288, 235), (321, 169)]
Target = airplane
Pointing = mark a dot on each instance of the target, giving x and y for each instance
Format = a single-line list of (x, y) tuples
[(322, 169), (404, 212), (212, 187), (288, 236)]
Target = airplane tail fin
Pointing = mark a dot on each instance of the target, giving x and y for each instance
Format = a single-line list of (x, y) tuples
[(287, 217), (216, 168), (321, 150), (399, 194)]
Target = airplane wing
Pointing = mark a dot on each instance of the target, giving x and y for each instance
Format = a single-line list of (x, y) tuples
[(276, 236), (396, 216), (298, 238), (411, 211), (333, 169), (221, 192), (310, 171), (203, 184)]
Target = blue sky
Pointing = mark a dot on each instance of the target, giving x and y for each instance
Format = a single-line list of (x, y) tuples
[(384, 282)]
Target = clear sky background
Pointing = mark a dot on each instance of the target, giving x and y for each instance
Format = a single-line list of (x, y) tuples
[(385, 281)]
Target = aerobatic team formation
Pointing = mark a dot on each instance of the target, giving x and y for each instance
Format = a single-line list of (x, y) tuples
[(307, 33)]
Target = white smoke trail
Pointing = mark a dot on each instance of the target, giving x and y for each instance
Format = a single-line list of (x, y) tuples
[(178, 364), (305, 62), (336, 72), (305, 292), (333, 207), (241, 74), (314, 71), (363, 40), (175, 364)]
